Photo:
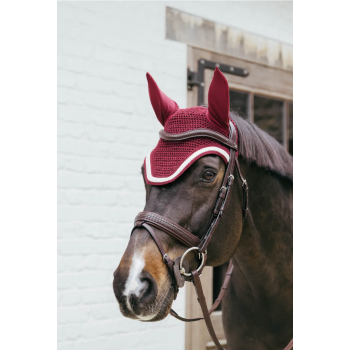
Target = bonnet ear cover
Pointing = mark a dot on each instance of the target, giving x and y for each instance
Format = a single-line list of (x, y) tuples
[(169, 159), (219, 102), (163, 106)]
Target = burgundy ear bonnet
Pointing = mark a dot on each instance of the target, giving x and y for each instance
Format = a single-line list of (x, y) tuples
[(171, 158)]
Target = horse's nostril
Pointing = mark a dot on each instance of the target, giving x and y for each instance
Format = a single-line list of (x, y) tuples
[(149, 291), (140, 299), (146, 288), (135, 294)]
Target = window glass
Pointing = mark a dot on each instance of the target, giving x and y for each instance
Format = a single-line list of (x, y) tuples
[(239, 103), (268, 114)]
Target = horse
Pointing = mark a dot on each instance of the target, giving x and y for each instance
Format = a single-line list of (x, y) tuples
[(257, 308)]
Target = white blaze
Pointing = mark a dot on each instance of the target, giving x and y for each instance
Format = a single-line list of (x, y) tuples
[(133, 284)]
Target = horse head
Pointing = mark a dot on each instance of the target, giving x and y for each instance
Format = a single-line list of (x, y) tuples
[(182, 181)]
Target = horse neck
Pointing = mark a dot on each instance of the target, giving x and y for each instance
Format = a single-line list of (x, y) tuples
[(263, 259)]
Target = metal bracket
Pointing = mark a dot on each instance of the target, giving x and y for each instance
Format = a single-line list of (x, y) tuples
[(192, 79), (197, 78)]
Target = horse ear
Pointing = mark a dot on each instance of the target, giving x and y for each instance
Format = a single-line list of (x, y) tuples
[(219, 101), (163, 106)]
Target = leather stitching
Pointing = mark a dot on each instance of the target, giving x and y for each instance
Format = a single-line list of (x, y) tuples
[(187, 237), (198, 133)]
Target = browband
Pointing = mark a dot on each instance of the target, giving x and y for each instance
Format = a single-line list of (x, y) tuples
[(198, 133)]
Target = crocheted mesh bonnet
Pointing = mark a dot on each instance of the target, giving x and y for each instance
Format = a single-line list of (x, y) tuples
[(170, 159)]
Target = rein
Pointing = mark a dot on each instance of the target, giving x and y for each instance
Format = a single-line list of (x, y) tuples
[(177, 268)]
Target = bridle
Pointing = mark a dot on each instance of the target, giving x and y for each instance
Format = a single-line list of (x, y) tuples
[(177, 268), (148, 220)]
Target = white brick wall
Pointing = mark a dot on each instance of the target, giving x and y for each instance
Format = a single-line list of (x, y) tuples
[(106, 126)]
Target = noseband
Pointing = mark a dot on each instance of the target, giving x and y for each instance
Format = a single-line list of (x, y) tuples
[(177, 271)]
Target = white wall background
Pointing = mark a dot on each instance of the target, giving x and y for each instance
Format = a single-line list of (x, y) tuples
[(106, 126)]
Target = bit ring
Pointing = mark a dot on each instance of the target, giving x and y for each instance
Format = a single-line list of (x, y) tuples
[(201, 256)]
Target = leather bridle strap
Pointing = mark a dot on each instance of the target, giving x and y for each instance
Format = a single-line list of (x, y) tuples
[(245, 190), (197, 284), (221, 201), (217, 301), (223, 288), (198, 133), (201, 298), (169, 226), (166, 259)]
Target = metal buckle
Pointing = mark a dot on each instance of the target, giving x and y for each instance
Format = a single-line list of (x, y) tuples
[(201, 256), (164, 257), (232, 177), (223, 187)]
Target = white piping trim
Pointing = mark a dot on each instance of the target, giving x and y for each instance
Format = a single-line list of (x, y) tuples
[(183, 165)]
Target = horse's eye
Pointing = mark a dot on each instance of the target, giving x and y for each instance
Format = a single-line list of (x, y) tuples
[(209, 175)]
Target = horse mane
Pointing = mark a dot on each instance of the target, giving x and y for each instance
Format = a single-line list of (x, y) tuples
[(256, 146)]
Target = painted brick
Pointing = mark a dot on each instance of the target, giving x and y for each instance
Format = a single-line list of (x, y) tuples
[(74, 163), (69, 298), (119, 120), (72, 64), (72, 247), (98, 296), (75, 48), (70, 229), (70, 263), (93, 165), (105, 311), (115, 246), (83, 280), (78, 114), (84, 213), (70, 332), (107, 182), (70, 315), (124, 341), (65, 78), (62, 95)]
